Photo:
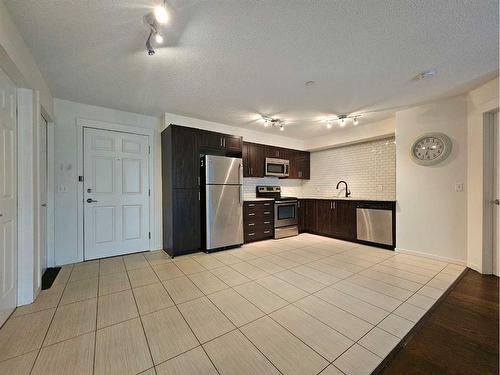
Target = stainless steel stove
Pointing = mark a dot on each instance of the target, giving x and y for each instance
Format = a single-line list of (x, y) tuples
[(285, 211)]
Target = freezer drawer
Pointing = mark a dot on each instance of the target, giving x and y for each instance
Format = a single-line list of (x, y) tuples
[(224, 216), (374, 225)]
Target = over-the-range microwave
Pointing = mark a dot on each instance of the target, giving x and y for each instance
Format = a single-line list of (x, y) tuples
[(277, 167)]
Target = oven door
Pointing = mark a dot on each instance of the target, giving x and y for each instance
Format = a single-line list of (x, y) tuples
[(285, 213), (277, 167)]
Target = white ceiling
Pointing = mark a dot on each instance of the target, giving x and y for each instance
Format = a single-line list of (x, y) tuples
[(229, 61)]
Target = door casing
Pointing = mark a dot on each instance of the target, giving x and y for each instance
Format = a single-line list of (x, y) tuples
[(85, 123)]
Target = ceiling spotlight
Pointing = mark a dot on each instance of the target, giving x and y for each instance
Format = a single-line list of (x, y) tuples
[(282, 127), (158, 38), (329, 124), (342, 121), (355, 121), (161, 14), (274, 122)]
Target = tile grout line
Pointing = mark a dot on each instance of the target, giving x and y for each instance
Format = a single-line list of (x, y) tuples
[(140, 318), (50, 324)]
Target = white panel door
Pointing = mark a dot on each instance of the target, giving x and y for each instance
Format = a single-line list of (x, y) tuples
[(8, 198), (116, 193)]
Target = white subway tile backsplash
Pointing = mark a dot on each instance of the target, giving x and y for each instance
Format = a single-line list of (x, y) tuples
[(290, 188), (366, 167), (369, 169)]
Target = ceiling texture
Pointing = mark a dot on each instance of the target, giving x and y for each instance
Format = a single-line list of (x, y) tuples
[(233, 61)]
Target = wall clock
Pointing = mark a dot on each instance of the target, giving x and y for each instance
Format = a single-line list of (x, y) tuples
[(431, 148)]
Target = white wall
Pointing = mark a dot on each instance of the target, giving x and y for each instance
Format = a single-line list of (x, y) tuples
[(16, 60), (369, 168), (65, 170), (431, 216), (352, 134), (248, 135), (480, 101)]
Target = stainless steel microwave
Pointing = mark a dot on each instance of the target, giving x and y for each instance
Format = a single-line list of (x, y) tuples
[(277, 167)]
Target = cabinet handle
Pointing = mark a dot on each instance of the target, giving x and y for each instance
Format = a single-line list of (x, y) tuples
[(251, 224), (267, 212), (267, 222), (251, 234), (252, 214), (267, 231), (199, 196), (198, 180), (220, 141), (251, 204), (267, 204), (298, 204), (331, 205), (334, 205)]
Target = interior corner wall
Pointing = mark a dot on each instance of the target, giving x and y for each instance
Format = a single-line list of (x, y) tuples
[(17, 61), (479, 101), (65, 171), (431, 217)]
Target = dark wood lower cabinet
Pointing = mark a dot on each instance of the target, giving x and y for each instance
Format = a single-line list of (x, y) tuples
[(258, 220), (186, 226)]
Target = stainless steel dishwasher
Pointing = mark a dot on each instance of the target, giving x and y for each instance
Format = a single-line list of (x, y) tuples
[(374, 222)]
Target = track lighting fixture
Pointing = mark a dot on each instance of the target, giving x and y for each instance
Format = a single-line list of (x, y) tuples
[(342, 120), (274, 122), (154, 19)]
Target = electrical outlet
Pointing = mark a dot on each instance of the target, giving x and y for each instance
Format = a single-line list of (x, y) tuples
[(459, 186)]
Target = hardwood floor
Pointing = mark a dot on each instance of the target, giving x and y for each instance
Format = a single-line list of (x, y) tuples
[(460, 336)]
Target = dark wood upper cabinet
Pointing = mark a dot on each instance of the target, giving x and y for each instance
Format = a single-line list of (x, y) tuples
[(220, 142), (300, 165), (232, 143), (185, 158), (253, 160)]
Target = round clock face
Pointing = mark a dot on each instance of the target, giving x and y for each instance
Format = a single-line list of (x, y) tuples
[(430, 149)]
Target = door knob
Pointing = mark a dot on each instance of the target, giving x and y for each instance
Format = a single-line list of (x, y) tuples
[(91, 200), (496, 201)]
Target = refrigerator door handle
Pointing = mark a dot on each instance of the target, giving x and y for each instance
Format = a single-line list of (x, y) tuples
[(240, 181)]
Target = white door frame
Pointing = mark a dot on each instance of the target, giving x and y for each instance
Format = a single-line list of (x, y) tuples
[(101, 125)]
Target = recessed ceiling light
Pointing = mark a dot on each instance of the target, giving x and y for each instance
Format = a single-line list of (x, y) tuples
[(424, 75), (310, 83)]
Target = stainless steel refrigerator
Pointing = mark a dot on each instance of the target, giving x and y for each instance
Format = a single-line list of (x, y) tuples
[(223, 201)]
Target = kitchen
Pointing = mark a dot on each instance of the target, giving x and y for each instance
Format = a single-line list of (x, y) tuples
[(253, 211), (249, 187)]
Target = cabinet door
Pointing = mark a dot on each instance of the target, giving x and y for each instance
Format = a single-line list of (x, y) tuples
[(304, 165), (324, 216), (185, 158), (210, 140), (232, 143), (310, 216), (186, 221), (246, 159), (344, 221), (302, 215), (258, 160)]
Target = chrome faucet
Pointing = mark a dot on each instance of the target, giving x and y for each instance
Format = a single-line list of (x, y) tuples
[(347, 192)]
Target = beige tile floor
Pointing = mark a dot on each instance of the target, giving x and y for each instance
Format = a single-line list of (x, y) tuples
[(303, 305)]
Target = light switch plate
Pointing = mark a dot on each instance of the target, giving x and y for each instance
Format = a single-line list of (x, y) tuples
[(459, 186)]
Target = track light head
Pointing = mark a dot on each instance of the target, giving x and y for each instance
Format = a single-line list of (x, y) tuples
[(149, 47)]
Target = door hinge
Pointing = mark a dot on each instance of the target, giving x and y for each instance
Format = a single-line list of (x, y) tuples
[(149, 149), (149, 235), (80, 178), (149, 192)]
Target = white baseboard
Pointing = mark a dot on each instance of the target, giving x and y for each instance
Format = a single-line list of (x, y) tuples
[(460, 262)]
